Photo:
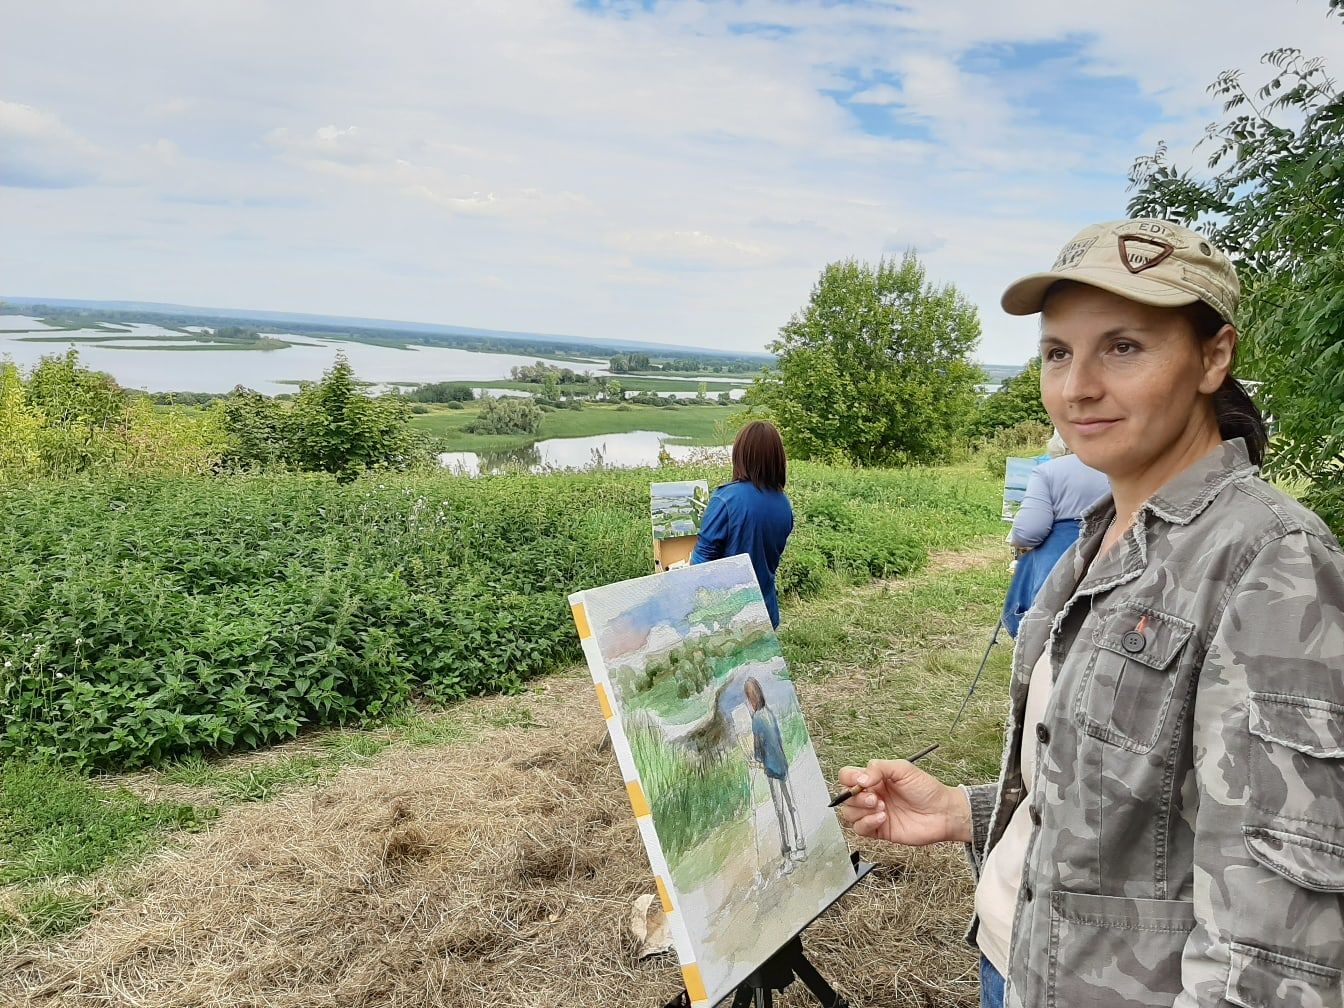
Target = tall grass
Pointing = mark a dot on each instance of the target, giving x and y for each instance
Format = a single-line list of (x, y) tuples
[(691, 795), (158, 617)]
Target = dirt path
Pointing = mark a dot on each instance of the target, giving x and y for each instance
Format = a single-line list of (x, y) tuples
[(496, 872)]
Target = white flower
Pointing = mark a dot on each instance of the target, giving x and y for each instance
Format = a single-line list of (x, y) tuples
[(8, 663)]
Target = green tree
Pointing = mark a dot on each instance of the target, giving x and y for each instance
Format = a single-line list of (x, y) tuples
[(442, 392), (1273, 196), (336, 428), (20, 425), (83, 413), (507, 415), (1017, 400), (876, 369), (259, 430)]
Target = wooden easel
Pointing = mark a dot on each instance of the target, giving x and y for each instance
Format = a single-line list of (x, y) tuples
[(667, 552)]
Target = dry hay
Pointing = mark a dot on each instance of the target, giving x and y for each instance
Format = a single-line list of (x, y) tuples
[(497, 874)]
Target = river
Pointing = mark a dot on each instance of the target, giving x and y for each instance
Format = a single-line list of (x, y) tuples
[(144, 366)]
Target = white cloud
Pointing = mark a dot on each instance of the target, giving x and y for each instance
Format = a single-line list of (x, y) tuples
[(37, 150), (879, 94), (659, 175)]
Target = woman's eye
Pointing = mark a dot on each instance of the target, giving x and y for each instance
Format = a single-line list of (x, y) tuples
[(1125, 348), (1056, 354)]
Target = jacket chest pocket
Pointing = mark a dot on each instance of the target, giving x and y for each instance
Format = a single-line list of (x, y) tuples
[(1131, 677)]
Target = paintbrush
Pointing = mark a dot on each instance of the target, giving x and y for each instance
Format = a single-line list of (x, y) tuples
[(850, 792)]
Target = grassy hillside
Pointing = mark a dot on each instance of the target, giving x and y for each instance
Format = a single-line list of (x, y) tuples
[(698, 425)]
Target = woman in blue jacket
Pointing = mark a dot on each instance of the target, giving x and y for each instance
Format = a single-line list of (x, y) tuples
[(751, 514)]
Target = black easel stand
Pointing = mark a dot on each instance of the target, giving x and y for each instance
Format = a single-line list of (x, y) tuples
[(790, 963), (781, 969)]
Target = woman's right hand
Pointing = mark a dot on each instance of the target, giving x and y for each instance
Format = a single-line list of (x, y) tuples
[(901, 803)]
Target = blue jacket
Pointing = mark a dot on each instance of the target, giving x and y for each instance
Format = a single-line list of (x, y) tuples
[(742, 519), (768, 744), (1033, 567)]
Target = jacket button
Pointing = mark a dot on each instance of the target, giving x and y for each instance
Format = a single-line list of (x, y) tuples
[(1034, 814), (1133, 642), (1042, 733), (1028, 895)]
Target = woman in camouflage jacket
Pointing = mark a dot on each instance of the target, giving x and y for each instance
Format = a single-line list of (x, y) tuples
[(1179, 796)]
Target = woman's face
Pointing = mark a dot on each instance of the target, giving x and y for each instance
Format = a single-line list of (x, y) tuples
[(1128, 384)]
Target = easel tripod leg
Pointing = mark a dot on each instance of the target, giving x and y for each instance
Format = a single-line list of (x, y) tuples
[(816, 983)]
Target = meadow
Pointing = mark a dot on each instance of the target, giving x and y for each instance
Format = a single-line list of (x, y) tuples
[(693, 425), (240, 640)]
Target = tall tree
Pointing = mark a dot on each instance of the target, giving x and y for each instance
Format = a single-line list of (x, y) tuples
[(1273, 197), (1017, 400), (338, 429), (876, 368)]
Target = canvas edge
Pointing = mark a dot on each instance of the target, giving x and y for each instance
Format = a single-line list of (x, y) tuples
[(681, 938)]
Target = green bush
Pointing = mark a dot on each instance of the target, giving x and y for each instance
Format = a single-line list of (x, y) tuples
[(147, 619), (454, 404), (507, 415), (1022, 440)]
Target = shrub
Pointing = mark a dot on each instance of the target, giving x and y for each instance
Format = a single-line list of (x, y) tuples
[(153, 617), (507, 415), (442, 392), (1026, 439)]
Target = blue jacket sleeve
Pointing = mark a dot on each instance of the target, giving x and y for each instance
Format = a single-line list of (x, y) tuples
[(713, 532), (1036, 517)]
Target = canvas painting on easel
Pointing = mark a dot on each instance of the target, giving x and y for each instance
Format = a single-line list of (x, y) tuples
[(725, 784), (676, 510)]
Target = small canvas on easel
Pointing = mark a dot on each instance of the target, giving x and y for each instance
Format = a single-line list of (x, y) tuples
[(676, 510), (721, 771)]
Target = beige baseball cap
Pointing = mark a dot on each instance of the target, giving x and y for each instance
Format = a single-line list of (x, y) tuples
[(1144, 259)]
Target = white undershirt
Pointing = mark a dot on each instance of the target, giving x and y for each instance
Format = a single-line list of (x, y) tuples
[(1001, 876)]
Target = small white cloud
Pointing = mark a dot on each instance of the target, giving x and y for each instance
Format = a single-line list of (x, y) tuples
[(878, 94), (342, 145), (38, 151), (693, 250)]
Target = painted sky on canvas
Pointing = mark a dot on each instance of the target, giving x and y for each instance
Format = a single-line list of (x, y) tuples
[(659, 600), (668, 171)]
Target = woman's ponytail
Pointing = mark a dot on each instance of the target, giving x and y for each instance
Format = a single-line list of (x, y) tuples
[(1239, 417)]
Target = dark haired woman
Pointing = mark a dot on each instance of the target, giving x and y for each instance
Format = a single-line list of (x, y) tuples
[(751, 514), (1168, 824)]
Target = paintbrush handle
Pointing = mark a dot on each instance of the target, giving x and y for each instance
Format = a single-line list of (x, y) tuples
[(850, 792)]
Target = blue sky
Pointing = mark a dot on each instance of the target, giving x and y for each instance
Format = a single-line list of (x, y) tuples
[(666, 171)]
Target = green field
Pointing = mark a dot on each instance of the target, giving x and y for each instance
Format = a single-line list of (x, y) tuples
[(697, 425), (630, 383)]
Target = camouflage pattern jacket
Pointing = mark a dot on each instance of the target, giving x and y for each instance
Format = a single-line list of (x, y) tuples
[(1187, 814)]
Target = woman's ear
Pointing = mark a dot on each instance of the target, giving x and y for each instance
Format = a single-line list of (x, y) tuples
[(1218, 353)]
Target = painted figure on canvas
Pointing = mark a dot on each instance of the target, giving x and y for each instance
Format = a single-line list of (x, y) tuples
[(768, 747), (705, 714)]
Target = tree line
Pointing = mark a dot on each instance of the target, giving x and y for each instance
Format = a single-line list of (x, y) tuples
[(63, 419)]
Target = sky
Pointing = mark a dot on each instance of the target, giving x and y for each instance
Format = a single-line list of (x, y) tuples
[(676, 172)]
